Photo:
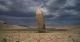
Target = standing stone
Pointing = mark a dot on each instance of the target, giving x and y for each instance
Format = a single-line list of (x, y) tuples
[(40, 20)]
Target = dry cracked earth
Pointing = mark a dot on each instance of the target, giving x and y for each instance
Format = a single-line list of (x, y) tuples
[(26, 36)]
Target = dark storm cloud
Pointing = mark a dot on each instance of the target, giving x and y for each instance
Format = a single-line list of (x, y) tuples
[(18, 14), (64, 10), (17, 5), (59, 7), (18, 20), (67, 7), (59, 10), (53, 7)]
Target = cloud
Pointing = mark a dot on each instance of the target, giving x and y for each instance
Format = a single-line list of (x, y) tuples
[(18, 5), (63, 10), (18, 14), (53, 9), (18, 20), (5, 5), (59, 7)]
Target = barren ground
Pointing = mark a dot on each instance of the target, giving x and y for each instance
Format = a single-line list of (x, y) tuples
[(72, 35)]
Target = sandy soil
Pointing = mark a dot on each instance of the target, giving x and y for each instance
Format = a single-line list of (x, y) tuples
[(27, 36), (73, 35)]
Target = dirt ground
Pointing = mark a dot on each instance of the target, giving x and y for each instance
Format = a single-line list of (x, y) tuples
[(26, 36)]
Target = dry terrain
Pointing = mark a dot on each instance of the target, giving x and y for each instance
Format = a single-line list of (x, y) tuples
[(31, 36), (20, 34)]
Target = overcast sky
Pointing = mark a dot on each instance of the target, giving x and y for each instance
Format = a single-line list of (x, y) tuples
[(56, 12)]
